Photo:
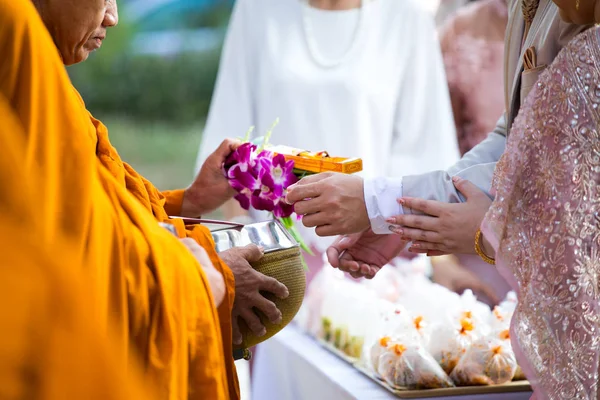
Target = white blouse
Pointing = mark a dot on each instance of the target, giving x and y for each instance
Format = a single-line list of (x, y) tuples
[(387, 102)]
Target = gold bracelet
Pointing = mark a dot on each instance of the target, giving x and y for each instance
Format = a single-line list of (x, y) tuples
[(480, 251)]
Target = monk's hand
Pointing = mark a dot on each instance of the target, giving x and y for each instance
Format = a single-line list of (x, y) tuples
[(214, 277), (249, 284), (333, 203), (445, 228), (449, 272), (211, 187), (363, 254)]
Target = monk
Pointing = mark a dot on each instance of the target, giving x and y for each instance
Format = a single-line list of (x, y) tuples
[(51, 347), (209, 190), (160, 298)]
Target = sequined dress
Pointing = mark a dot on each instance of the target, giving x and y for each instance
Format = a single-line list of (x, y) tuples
[(544, 225)]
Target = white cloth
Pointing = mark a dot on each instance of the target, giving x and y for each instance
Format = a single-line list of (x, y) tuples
[(292, 366), (387, 103)]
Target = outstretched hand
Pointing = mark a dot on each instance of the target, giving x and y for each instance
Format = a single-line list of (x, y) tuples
[(211, 187), (333, 203), (364, 254)]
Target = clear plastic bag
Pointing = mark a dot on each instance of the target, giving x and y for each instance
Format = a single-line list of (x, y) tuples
[(502, 313), (489, 361), (424, 330), (478, 312), (394, 322), (451, 342), (411, 367)]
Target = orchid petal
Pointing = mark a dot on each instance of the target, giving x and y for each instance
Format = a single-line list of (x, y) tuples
[(262, 204), (243, 200)]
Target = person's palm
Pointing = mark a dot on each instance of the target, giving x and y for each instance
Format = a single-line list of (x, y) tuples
[(364, 254)]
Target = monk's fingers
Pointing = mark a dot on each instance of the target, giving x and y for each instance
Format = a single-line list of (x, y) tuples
[(226, 147), (252, 252), (429, 207), (268, 308), (272, 285), (253, 322), (424, 222), (235, 328), (418, 235)]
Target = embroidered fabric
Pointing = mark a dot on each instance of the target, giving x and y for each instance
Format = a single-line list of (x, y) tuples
[(545, 225)]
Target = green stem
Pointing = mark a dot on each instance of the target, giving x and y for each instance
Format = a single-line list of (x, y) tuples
[(290, 226), (265, 142), (248, 133)]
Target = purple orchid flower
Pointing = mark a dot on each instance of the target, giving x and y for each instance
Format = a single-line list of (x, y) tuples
[(283, 209), (277, 174), (245, 154), (260, 179)]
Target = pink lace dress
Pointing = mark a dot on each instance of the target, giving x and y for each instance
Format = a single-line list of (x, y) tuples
[(545, 225)]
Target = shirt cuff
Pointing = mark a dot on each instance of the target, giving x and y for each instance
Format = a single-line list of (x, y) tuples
[(381, 199)]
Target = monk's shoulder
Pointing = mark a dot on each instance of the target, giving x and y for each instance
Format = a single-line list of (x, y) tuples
[(17, 13)]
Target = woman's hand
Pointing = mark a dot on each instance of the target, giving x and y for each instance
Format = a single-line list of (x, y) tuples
[(445, 228), (211, 187)]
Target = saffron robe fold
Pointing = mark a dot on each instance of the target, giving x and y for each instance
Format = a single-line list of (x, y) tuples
[(51, 348)]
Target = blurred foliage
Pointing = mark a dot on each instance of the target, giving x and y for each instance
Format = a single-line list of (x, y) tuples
[(177, 89), (160, 151)]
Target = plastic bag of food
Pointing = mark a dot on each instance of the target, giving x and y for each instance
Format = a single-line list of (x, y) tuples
[(450, 342), (489, 361), (474, 310), (412, 367), (359, 305), (502, 313), (393, 321), (424, 329), (432, 301)]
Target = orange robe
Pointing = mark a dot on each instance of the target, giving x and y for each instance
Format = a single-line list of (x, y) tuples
[(144, 282), (50, 348), (165, 204)]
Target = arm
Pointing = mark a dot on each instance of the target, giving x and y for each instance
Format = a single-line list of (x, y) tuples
[(476, 166)]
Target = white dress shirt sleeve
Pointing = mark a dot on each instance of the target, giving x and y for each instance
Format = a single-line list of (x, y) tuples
[(381, 199)]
